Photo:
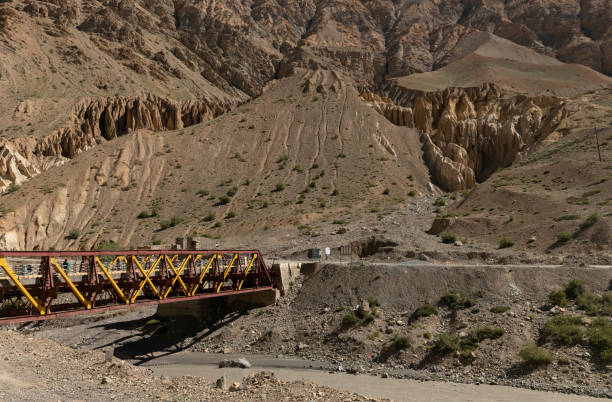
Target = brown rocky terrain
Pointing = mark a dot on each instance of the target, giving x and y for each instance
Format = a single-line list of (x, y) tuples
[(419, 133), (41, 370)]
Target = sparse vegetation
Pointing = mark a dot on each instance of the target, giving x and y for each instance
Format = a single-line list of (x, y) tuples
[(400, 343), (499, 309), (279, 187), (423, 311), (456, 301), (12, 188), (533, 355), (600, 340), (73, 234), (563, 238), (349, 319), (589, 221), (558, 298), (564, 330), (174, 221), (448, 238), (505, 242), (110, 245)]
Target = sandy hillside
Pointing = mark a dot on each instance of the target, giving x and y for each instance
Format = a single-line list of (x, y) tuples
[(482, 57), (309, 149)]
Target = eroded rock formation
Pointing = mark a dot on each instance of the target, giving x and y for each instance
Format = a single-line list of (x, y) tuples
[(468, 133), (96, 120)]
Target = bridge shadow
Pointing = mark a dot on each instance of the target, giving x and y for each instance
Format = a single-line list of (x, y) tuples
[(156, 337)]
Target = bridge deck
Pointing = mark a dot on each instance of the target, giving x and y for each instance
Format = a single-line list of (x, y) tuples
[(39, 285)]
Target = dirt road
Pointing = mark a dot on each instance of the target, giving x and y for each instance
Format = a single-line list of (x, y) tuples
[(206, 366)]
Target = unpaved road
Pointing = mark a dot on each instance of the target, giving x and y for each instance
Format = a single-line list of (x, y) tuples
[(206, 366)]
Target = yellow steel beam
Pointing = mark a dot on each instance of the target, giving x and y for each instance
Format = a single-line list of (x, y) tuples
[(111, 280), (74, 289), (146, 279), (148, 273), (38, 305), (229, 266), (177, 275), (203, 273), (246, 271)]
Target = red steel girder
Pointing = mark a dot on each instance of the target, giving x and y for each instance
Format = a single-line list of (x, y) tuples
[(109, 280)]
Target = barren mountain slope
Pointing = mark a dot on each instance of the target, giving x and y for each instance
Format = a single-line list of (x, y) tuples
[(481, 57), (557, 199), (308, 149)]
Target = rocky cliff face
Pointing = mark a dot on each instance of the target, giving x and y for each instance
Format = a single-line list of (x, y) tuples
[(239, 46), (96, 120), (468, 133)]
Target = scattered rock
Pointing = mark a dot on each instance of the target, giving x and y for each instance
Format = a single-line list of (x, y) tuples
[(220, 383), (364, 309), (106, 380), (240, 363), (236, 386)]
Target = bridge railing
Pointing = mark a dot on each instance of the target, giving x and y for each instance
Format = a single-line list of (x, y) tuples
[(37, 285)]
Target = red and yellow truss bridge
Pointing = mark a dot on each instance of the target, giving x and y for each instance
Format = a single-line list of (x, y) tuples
[(39, 285)]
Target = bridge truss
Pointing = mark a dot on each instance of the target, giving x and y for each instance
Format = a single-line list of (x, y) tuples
[(39, 285)]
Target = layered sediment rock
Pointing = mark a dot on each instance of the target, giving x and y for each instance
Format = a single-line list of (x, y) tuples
[(468, 133), (96, 120)]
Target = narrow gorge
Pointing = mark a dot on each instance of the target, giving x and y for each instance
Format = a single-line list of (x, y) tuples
[(469, 133)]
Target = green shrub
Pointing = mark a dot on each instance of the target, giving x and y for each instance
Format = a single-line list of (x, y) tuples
[(564, 330), (143, 215), (563, 361), (175, 220), (12, 188), (202, 193), (386, 191), (424, 311), (373, 335), (575, 288), (456, 301), (210, 217), (558, 298), (400, 343), (373, 302), (334, 193), (595, 305), (566, 218), (533, 355), (232, 191), (448, 238), (74, 234), (279, 187), (230, 215), (108, 245), (505, 242), (589, 221), (411, 193), (349, 319), (446, 344), (499, 309), (440, 202), (563, 237), (223, 200), (600, 339), (488, 333)]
